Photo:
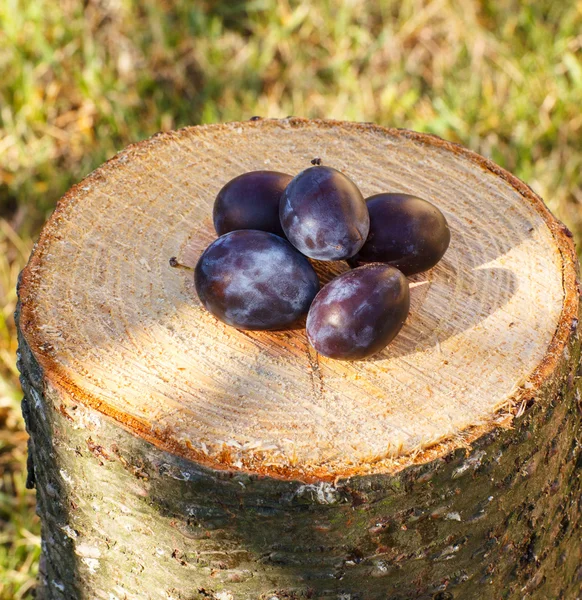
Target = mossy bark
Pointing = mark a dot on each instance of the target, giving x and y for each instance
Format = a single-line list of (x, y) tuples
[(123, 519)]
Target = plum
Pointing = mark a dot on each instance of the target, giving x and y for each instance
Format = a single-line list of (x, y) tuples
[(250, 201), (255, 280), (359, 312), (406, 232), (323, 214)]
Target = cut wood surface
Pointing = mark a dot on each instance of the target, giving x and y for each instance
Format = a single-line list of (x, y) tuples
[(117, 329)]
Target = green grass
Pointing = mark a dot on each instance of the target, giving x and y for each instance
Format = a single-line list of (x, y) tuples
[(83, 79)]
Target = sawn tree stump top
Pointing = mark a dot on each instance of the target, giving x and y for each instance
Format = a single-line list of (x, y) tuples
[(111, 323)]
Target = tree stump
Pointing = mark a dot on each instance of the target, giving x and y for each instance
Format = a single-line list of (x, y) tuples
[(178, 458)]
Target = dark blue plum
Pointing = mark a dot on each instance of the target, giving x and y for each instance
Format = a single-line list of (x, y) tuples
[(358, 313), (250, 201), (255, 280), (406, 232), (324, 214)]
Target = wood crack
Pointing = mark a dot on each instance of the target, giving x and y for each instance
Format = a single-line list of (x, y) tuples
[(315, 373)]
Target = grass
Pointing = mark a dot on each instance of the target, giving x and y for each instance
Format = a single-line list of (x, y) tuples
[(19, 526), (82, 80)]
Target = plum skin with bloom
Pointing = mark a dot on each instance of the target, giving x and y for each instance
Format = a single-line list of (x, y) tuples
[(359, 312), (253, 279), (324, 214), (250, 201), (406, 232)]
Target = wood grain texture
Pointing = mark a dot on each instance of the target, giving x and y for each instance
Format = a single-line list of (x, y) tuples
[(115, 328)]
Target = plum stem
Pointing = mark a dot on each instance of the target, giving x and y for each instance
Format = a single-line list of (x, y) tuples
[(178, 265), (316, 161)]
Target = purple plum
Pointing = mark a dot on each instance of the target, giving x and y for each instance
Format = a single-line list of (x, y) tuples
[(406, 232), (255, 280), (250, 201), (324, 214), (359, 312)]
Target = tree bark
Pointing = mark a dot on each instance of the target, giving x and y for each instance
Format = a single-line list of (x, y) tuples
[(321, 487)]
